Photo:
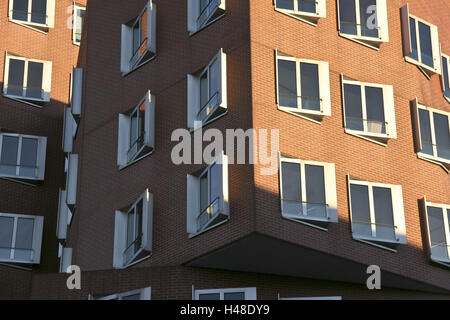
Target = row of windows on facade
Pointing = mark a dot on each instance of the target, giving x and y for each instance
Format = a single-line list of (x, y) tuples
[(40, 15)]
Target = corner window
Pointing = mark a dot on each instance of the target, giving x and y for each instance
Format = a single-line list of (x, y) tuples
[(305, 10), (136, 136), (226, 294), (36, 14), (133, 232), (303, 87), (308, 192), (201, 13), (22, 157), (369, 110), (364, 21), (207, 92), (139, 40), (446, 76), (27, 80), (377, 213), (140, 294), (207, 197), (20, 238), (78, 21), (420, 43)]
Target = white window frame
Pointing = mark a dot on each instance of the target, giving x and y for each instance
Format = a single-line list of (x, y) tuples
[(63, 216), (145, 294), (76, 92), (330, 193), (324, 89), (445, 211), (389, 112), (46, 80), (308, 17), (147, 136), (213, 111), (41, 27), (76, 8), (120, 232), (213, 14), (37, 238), (65, 258), (40, 157), (71, 180), (69, 130), (398, 214), (446, 93), (249, 293)]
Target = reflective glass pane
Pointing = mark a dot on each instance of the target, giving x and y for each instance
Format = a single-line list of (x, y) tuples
[(39, 11), (441, 131), (204, 94), (375, 110), (307, 6), (315, 191), (8, 160), (353, 107), (234, 296), (309, 74), (347, 14), (24, 239), (384, 218), (425, 132), (437, 232), (204, 199), (285, 4), (130, 227), (367, 10), (20, 10), (412, 26), (214, 73), (79, 24), (361, 223), (15, 77), (6, 233), (209, 296), (292, 193), (34, 82), (425, 44), (138, 226), (446, 75), (287, 83), (28, 157), (215, 184)]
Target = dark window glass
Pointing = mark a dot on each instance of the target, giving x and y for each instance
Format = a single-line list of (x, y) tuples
[(361, 223), (15, 77), (132, 297), (287, 83), (215, 185), (446, 77), (375, 110), (34, 82), (8, 160), (442, 134), (425, 132), (315, 191), (382, 200), (307, 6), (6, 233), (28, 157), (353, 107), (426, 50), (234, 296), (204, 89), (204, 190), (368, 30), (39, 11), (285, 4), (203, 4), (214, 73), (309, 74), (347, 14), (292, 193), (20, 10), (412, 25), (209, 296), (437, 232), (80, 20), (24, 239)]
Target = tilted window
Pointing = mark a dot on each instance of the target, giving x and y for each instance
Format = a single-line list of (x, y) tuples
[(207, 92), (369, 110), (78, 21), (22, 157), (69, 130), (306, 10), (136, 136), (37, 14), (203, 12), (139, 39), (64, 216), (420, 42), (308, 192), (72, 113), (303, 87), (65, 258), (377, 213), (365, 21), (140, 294), (20, 238), (133, 232), (446, 76), (207, 197), (27, 80), (71, 180), (431, 129), (226, 294)]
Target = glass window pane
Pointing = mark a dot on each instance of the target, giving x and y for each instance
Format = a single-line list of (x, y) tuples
[(204, 199), (132, 297), (347, 14), (315, 191), (412, 26), (361, 223), (39, 11), (375, 110), (8, 160), (214, 73), (366, 12), (425, 44), (445, 74), (287, 83), (134, 128), (437, 232), (353, 107), (79, 24), (441, 131), (285, 4), (138, 225), (24, 239), (204, 89), (215, 185), (234, 296), (292, 193), (425, 132), (20, 10), (203, 4), (309, 74), (6, 233), (34, 82), (28, 157), (382, 199), (130, 227), (307, 6), (209, 296), (15, 77)]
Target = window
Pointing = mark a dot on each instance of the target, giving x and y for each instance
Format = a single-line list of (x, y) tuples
[(72, 114), (36, 14), (438, 224), (133, 232), (71, 180), (65, 258), (64, 216), (303, 87), (140, 294), (376, 212), (22, 157), (420, 43), (306, 10), (364, 21), (203, 12), (78, 21), (207, 197), (432, 134), (27, 80), (207, 92), (20, 238), (226, 294), (446, 76), (139, 40), (308, 192), (136, 136), (369, 110)]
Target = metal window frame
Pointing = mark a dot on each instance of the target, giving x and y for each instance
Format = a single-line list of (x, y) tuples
[(445, 212)]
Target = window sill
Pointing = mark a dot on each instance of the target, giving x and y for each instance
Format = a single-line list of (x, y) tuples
[(135, 262), (372, 43), (307, 17), (427, 70), (42, 28), (380, 139), (311, 222), (136, 160), (443, 262), (447, 98), (25, 101), (27, 182), (193, 235), (192, 129), (313, 116), (192, 33), (124, 74), (445, 164), (374, 242)]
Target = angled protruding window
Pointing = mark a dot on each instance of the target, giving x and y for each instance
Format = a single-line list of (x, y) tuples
[(369, 110), (431, 129), (20, 238), (207, 197), (139, 39), (71, 180), (69, 130), (364, 21), (140, 294), (76, 92), (65, 258), (136, 136), (306, 10), (226, 294), (446, 76), (207, 92), (133, 232), (303, 87), (36, 14), (78, 21), (201, 13), (377, 213), (64, 216), (22, 157), (438, 223), (420, 43), (308, 192), (27, 80)]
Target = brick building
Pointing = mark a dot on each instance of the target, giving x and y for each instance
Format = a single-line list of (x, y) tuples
[(362, 112)]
